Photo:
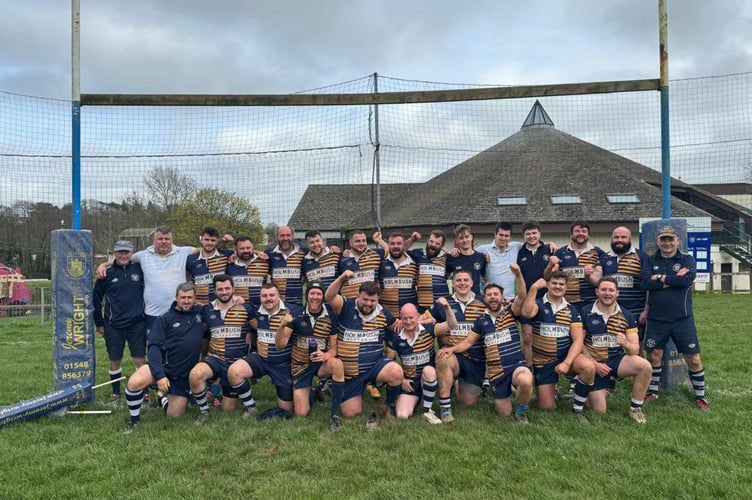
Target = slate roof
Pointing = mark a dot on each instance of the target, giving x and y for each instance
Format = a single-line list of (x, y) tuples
[(537, 162)]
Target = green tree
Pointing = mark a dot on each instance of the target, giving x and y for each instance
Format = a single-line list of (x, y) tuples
[(224, 210)]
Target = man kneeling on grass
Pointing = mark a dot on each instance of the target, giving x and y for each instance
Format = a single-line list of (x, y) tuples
[(499, 331), (611, 341), (176, 336)]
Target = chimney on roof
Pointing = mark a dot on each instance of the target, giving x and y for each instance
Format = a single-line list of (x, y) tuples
[(537, 117)]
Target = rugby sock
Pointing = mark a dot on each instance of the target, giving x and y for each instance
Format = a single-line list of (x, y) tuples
[(244, 393), (635, 404), (392, 391), (655, 379), (164, 403), (338, 390), (201, 400), (581, 391), (114, 375), (445, 403), (134, 401), (521, 409), (429, 393), (698, 382)]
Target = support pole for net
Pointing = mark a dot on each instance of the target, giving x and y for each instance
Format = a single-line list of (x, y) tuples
[(665, 139), (377, 147), (76, 112)]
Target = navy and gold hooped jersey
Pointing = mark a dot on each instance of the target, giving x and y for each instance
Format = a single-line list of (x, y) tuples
[(228, 333), (552, 331), (248, 279), (600, 333), (360, 340), (626, 271), (267, 333), (432, 277), (474, 263), (413, 357), (398, 284), (500, 338), (304, 328), (202, 272), (324, 268), (466, 314), (579, 289), (365, 267), (286, 274)]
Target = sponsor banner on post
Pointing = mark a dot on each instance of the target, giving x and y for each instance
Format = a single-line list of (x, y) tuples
[(43, 405)]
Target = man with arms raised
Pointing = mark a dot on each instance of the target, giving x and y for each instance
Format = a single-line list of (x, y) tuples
[(498, 331), (668, 276), (398, 275), (469, 367), (174, 349), (229, 333), (267, 359), (611, 341), (361, 330), (315, 329), (414, 344), (557, 344), (432, 274), (364, 262)]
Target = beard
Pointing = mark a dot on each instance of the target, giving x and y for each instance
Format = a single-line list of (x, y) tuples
[(621, 248)]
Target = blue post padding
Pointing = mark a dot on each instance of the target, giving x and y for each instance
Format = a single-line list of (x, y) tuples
[(42, 405), (73, 326), (674, 366)]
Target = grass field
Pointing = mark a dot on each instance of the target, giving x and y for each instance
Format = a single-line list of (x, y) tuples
[(680, 453)]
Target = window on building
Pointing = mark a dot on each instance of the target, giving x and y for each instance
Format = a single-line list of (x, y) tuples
[(566, 199), (511, 200), (622, 198)]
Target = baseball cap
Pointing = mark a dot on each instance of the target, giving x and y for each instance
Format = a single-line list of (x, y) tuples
[(667, 231), (123, 245)]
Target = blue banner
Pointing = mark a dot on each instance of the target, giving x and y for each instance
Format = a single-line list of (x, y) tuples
[(42, 405), (72, 284)]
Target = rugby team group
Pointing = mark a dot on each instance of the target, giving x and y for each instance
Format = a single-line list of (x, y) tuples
[(505, 319)]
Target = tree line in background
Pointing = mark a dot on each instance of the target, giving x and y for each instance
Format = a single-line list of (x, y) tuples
[(169, 198)]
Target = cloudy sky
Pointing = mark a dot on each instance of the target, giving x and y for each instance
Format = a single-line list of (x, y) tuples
[(195, 46)]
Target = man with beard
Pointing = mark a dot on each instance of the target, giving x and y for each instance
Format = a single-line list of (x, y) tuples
[(202, 266), (398, 275), (315, 328), (249, 272), (624, 263), (499, 333), (267, 359), (579, 259), (176, 337), (285, 262), (229, 331), (557, 344), (415, 346), (431, 261), (364, 262), (465, 258), (361, 330), (320, 263), (611, 341), (668, 276), (469, 367)]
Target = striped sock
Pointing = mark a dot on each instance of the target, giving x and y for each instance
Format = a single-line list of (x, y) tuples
[(636, 403), (655, 379), (445, 403), (201, 401), (581, 391), (698, 382), (114, 375), (244, 393), (134, 401), (429, 393)]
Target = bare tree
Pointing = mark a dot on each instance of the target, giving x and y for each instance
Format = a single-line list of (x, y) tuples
[(167, 187)]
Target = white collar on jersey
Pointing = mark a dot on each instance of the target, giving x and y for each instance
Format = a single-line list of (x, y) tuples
[(263, 310), (411, 341), (554, 307), (605, 316)]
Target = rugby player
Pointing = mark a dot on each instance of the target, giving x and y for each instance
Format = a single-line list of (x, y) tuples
[(363, 261), (177, 335), (465, 258), (611, 341), (249, 272), (498, 331), (579, 259), (320, 263), (557, 344), (398, 276), (668, 276), (267, 359), (316, 324), (202, 266)]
